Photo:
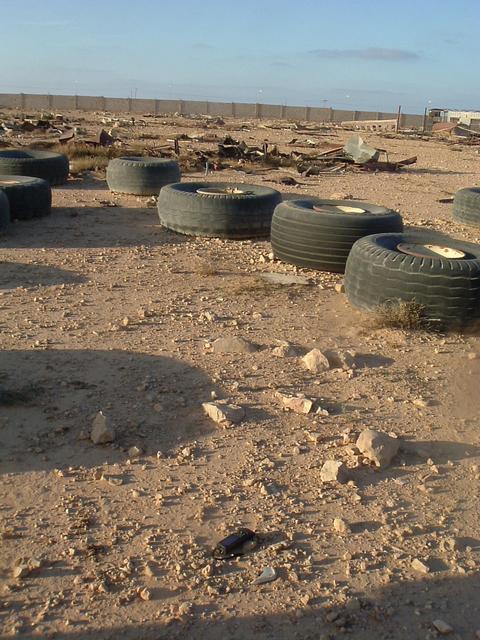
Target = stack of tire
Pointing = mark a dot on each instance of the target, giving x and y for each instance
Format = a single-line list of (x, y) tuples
[(26, 178), (383, 265)]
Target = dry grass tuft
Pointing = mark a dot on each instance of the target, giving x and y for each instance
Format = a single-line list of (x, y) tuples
[(400, 315)]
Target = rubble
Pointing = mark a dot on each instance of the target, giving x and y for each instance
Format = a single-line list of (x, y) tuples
[(334, 471), (233, 344), (377, 446), (102, 431), (268, 575), (297, 404), (222, 412), (316, 361), (442, 627), (341, 526)]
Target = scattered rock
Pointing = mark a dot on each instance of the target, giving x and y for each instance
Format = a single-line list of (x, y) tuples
[(268, 575), (334, 471), (221, 411), (284, 350), (297, 404), (340, 287), (21, 571), (341, 195), (102, 431), (377, 446), (233, 345), (144, 594), (418, 565), (316, 361), (135, 452), (341, 526), (442, 627), (342, 359)]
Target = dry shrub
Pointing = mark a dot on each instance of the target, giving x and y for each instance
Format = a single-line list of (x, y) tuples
[(81, 150), (400, 315)]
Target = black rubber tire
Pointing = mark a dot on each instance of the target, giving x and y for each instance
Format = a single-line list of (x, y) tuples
[(4, 213), (28, 197), (233, 216), (466, 206), (52, 167), (449, 290), (322, 239), (141, 176)]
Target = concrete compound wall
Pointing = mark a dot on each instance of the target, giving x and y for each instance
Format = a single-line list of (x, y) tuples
[(26, 101)]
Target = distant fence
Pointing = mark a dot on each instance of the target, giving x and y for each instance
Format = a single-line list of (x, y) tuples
[(25, 101)]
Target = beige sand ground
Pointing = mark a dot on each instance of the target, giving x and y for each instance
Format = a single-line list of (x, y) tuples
[(68, 282)]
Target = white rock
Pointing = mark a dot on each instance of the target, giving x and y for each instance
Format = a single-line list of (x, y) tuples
[(341, 526), (377, 446), (221, 411), (418, 565), (297, 404), (316, 361), (102, 431), (442, 627), (233, 345), (284, 350), (334, 471), (268, 575), (343, 359)]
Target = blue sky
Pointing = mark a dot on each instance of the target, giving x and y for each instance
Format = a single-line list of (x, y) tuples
[(363, 54)]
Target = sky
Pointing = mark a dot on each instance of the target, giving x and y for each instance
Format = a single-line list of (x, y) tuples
[(348, 54)]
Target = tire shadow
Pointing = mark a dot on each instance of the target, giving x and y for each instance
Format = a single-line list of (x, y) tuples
[(19, 274), (405, 609), (92, 227), (49, 398)]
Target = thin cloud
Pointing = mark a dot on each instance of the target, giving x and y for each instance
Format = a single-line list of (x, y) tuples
[(371, 53)]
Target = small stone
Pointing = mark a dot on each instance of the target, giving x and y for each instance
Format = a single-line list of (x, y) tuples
[(377, 446), (135, 452), (21, 571), (418, 565), (221, 411), (315, 361), (297, 404), (442, 627), (233, 345), (340, 287), (268, 575), (284, 350), (102, 432), (145, 594), (343, 359), (472, 355), (341, 526), (334, 471)]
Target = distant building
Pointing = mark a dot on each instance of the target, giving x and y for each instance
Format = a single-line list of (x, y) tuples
[(468, 118)]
